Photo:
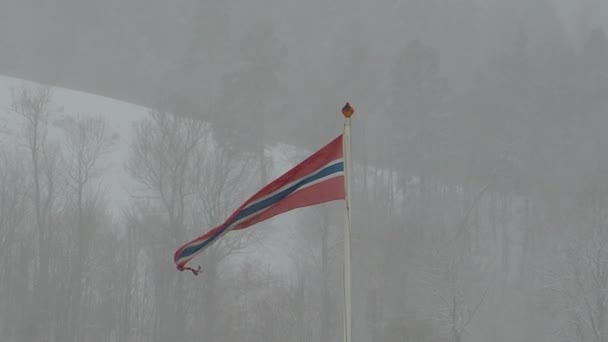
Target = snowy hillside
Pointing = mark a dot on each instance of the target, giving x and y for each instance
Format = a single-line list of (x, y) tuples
[(121, 116)]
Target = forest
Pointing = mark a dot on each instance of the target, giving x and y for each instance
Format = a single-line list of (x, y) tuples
[(480, 183)]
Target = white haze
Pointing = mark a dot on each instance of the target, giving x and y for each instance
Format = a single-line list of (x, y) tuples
[(480, 183)]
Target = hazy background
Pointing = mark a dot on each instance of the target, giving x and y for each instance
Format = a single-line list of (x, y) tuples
[(480, 206)]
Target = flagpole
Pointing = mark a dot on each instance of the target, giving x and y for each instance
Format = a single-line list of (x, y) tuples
[(347, 111)]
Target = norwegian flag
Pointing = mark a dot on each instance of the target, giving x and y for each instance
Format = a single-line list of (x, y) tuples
[(318, 179)]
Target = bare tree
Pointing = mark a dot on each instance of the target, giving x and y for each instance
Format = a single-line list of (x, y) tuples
[(460, 278), (138, 307), (13, 193), (222, 177), (87, 140), (162, 157), (13, 209), (163, 154), (460, 299), (195, 181), (33, 105), (578, 279), (587, 288)]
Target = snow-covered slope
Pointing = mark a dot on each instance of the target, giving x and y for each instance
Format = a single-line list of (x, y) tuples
[(120, 116), (117, 184)]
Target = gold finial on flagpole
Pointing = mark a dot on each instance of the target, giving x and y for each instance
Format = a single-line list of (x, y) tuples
[(347, 110)]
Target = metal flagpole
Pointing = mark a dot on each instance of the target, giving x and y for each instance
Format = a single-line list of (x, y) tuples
[(347, 111)]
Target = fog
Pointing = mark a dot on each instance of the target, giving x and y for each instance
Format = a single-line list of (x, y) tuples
[(479, 180)]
